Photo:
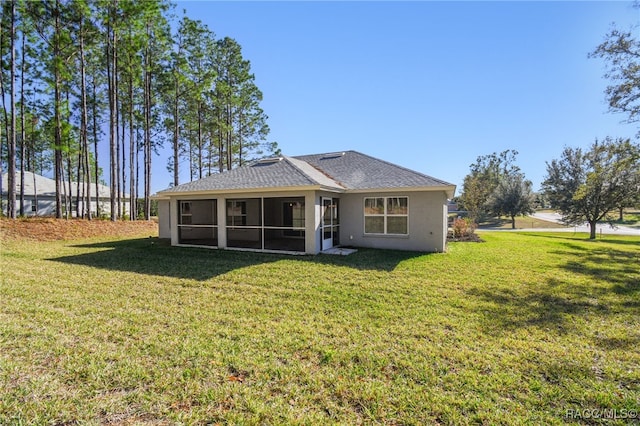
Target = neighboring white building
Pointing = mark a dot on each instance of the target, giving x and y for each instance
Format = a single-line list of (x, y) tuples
[(43, 190)]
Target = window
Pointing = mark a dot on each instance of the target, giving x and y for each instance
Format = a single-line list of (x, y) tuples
[(386, 215), (293, 217), (236, 213), (197, 222), (185, 213)]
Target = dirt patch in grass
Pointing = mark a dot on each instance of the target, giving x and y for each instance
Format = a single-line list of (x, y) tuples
[(50, 229)]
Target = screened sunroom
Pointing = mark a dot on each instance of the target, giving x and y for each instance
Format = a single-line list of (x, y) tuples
[(266, 223)]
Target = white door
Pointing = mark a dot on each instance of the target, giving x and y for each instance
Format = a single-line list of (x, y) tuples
[(329, 222)]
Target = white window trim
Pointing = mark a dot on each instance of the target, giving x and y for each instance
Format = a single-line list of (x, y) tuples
[(385, 215)]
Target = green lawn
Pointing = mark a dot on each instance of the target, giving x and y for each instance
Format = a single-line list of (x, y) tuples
[(522, 222), (516, 330), (631, 219)]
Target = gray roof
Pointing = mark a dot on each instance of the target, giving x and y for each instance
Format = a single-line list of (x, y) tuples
[(47, 187), (342, 171), (357, 171), (279, 172)]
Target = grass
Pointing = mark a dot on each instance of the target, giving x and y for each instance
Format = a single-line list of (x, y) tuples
[(516, 330), (522, 222), (631, 219)]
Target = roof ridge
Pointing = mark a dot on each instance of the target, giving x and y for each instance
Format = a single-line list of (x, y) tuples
[(298, 169), (293, 161)]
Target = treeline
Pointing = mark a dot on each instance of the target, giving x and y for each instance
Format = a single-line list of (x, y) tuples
[(80, 74)]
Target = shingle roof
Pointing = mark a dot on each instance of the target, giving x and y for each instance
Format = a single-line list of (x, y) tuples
[(357, 171), (349, 170), (280, 172), (47, 187)]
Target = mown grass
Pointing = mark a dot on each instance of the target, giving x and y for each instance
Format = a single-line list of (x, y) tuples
[(631, 219), (522, 222), (516, 330)]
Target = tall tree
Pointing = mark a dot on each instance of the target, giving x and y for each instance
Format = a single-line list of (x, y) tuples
[(111, 20), (621, 52), (157, 35), (23, 145), (588, 186), (512, 197), (83, 30), (484, 177), (240, 123), (50, 23), (176, 87), (8, 27), (199, 57)]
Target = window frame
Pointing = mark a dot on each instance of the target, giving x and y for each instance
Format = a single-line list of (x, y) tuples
[(186, 226), (235, 218), (385, 215)]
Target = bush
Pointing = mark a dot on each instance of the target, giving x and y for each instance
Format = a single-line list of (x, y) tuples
[(463, 227)]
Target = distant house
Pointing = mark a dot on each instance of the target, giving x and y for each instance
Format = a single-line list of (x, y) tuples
[(309, 204), (40, 196)]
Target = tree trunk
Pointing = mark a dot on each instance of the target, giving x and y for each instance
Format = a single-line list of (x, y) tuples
[(121, 159), (132, 150), (23, 131), (116, 93), (113, 123), (137, 176), (513, 222), (66, 188), (11, 151), (79, 193), (199, 141), (35, 193), (229, 138), (95, 143), (83, 129), (176, 151), (592, 229), (57, 119), (621, 211), (147, 129), (69, 193), (6, 118)]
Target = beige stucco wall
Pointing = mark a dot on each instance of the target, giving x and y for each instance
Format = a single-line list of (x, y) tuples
[(427, 222), (164, 219)]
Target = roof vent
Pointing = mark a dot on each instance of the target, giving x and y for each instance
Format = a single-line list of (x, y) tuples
[(267, 161), (333, 155)]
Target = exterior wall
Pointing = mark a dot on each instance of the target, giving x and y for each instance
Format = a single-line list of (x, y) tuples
[(427, 224), (426, 227), (164, 219)]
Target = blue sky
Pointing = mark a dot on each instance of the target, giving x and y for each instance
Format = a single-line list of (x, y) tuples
[(426, 85)]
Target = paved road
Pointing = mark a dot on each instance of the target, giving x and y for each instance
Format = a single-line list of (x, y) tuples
[(600, 228)]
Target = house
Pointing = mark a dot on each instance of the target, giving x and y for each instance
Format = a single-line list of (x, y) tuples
[(309, 204), (40, 196)]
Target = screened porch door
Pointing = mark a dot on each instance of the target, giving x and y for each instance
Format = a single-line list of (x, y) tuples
[(329, 223)]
